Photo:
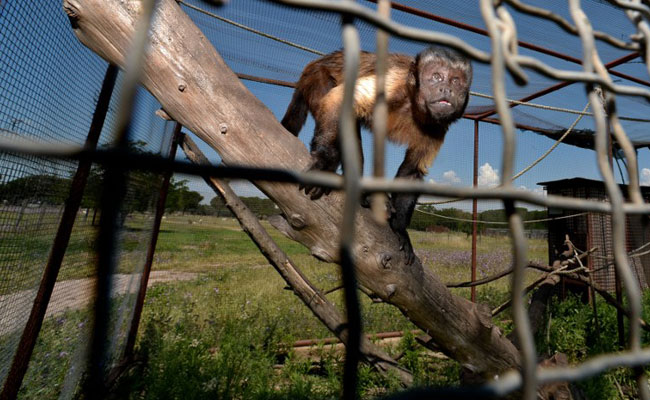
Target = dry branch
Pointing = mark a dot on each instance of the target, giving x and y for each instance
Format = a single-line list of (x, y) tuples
[(611, 300), (195, 87), (313, 298)]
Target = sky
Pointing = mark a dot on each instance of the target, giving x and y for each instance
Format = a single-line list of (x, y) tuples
[(247, 52), (454, 164), (49, 83)]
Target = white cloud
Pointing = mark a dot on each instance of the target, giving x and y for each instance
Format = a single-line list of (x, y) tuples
[(431, 180), (451, 177), (645, 176), (537, 190), (488, 176)]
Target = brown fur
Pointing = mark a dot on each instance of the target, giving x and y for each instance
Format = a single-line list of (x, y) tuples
[(424, 96)]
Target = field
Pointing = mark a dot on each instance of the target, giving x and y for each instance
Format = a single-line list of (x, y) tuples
[(219, 249), (227, 331), (239, 295)]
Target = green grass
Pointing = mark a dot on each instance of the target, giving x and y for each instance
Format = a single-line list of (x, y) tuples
[(55, 352), (219, 335), (238, 290), (25, 250), (573, 330)]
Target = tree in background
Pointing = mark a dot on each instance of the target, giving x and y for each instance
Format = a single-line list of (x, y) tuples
[(180, 198), (219, 207), (460, 221), (42, 189), (262, 207), (141, 191)]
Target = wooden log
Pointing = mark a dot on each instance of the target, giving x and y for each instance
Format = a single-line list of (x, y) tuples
[(313, 298), (187, 76)]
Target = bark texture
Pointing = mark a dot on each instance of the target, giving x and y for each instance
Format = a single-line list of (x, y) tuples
[(313, 298), (196, 88)]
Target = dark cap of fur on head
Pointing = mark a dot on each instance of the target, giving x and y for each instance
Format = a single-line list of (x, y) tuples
[(455, 58)]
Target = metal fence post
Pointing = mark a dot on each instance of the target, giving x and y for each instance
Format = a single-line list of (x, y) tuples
[(474, 210), (59, 246), (160, 210)]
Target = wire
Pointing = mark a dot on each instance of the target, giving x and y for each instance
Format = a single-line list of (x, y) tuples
[(249, 29), (320, 53), (531, 221)]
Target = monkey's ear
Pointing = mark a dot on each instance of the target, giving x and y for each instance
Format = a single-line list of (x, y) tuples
[(469, 73), (412, 77)]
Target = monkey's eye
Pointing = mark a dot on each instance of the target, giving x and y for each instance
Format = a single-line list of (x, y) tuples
[(455, 81), (437, 77)]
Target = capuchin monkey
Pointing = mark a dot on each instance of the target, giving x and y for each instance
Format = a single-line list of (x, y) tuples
[(424, 94)]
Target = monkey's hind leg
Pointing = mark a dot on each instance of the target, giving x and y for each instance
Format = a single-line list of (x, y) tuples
[(325, 155), (403, 204)]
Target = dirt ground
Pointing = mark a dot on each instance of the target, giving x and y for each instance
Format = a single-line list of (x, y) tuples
[(72, 295)]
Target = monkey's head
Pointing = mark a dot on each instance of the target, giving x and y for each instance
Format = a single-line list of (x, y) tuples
[(439, 81)]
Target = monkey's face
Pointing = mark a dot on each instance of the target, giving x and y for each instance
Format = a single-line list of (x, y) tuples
[(441, 87)]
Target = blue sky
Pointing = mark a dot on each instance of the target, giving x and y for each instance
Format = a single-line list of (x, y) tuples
[(249, 53), (455, 162), (49, 83)]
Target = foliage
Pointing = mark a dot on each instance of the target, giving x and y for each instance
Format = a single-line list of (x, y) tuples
[(262, 207), (42, 188), (211, 359), (425, 372), (219, 207), (422, 221), (53, 355), (235, 315), (93, 192), (193, 349), (181, 198), (142, 186), (194, 352), (526, 215), (574, 331)]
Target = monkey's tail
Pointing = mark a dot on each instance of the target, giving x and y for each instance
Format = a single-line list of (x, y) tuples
[(296, 114)]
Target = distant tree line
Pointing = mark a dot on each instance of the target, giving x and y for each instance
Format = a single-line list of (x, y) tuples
[(143, 188), (181, 199), (42, 189), (260, 206)]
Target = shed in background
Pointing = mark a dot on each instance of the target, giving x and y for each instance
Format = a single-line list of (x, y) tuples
[(591, 229)]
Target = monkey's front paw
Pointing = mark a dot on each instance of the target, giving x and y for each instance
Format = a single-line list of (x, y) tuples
[(365, 200), (314, 192)]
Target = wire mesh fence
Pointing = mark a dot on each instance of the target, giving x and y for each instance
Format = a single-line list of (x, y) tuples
[(50, 91), (50, 86)]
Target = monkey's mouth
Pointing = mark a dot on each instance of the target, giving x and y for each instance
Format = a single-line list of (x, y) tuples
[(438, 106), (440, 103)]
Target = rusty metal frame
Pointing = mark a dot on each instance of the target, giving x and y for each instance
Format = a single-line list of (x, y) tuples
[(480, 31), (151, 250), (594, 76), (59, 246)]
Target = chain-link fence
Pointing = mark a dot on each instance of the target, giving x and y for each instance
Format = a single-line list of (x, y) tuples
[(52, 94), (52, 88)]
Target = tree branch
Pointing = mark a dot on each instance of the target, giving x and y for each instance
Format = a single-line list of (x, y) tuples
[(195, 87), (313, 298)]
